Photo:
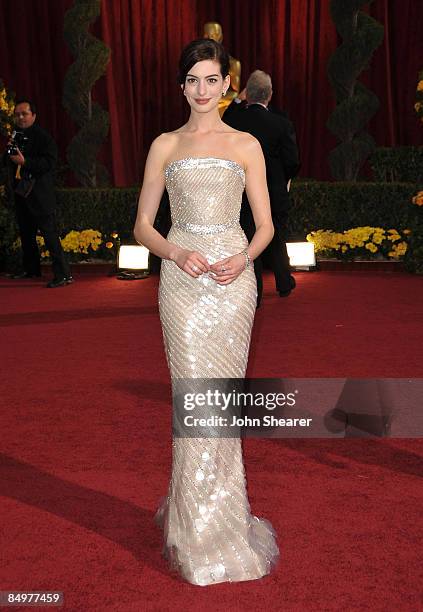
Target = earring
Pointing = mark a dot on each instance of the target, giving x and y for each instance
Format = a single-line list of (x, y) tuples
[(223, 93)]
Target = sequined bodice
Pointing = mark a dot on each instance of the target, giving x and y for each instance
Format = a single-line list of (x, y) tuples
[(205, 191)]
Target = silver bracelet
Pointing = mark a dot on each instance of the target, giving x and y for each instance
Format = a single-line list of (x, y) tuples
[(247, 259)]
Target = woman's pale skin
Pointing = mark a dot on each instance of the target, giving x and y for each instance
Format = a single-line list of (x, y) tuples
[(204, 135)]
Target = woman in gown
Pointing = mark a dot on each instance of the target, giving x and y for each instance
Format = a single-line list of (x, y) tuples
[(207, 300)]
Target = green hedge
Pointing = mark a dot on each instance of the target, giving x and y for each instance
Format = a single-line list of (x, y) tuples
[(341, 206), (106, 210), (315, 205)]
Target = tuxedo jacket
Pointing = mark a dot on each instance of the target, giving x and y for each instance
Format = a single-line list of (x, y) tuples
[(40, 155), (276, 135)]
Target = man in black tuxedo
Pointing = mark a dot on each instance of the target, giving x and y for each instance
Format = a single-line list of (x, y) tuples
[(276, 135), (31, 171)]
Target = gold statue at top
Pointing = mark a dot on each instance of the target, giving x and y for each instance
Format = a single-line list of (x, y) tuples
[(213, 30)]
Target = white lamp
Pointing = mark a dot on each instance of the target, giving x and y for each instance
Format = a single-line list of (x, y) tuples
[(301, 255), (133, 261)]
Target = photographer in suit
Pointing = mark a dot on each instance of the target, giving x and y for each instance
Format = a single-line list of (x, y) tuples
[(31, 159), (276, 135)]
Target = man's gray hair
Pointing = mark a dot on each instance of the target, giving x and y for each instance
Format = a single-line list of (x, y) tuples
[(259, 87)]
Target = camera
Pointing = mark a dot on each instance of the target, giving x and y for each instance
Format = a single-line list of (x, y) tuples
[(17, 142)]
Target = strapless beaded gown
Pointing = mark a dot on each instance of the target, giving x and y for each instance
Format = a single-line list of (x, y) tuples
[(210, 535)]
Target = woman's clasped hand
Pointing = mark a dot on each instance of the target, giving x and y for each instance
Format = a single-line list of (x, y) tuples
[(223, 272)]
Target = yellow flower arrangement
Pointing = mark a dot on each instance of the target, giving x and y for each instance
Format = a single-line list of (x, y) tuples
[(7, 107), (418, 198), (399, 250), (79, 243), (414, 236), (358, 241)]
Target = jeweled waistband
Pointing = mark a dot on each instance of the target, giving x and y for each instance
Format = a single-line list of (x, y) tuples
[(193, 228)]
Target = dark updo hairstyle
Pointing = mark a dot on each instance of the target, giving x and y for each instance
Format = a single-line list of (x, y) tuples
[(199, 50)]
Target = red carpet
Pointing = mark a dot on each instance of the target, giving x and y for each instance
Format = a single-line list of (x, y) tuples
[(85, 443)]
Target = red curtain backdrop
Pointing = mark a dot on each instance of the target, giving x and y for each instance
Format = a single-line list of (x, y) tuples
[(291, 39)]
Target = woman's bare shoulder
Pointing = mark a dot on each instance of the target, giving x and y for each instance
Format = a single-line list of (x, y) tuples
[(165, 139), (244, 145), (243, 139), (163, 145)]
